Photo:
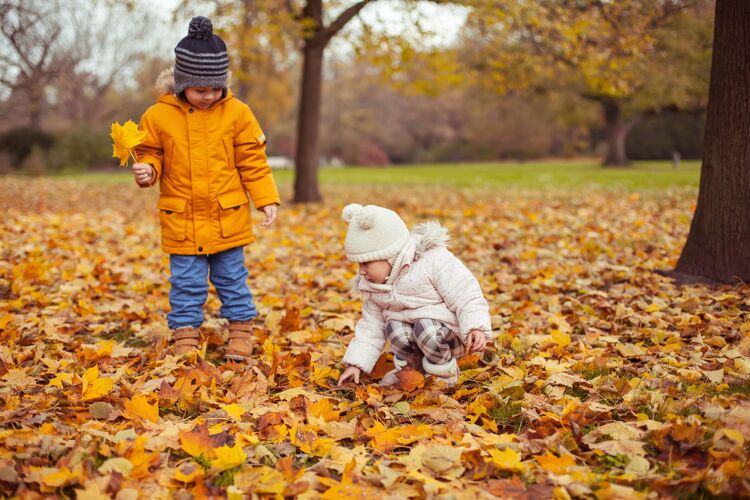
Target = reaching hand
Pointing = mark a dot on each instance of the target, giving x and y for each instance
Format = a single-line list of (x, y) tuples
[(270, 211), (143, 173), (475, 341), (351, 371)]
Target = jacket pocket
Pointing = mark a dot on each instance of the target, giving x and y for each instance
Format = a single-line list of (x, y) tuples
[(228, 141), (172, 217), (168, 155), (234, 213)]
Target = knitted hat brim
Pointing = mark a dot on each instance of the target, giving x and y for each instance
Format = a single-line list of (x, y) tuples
[(183, 80), (383, 254)]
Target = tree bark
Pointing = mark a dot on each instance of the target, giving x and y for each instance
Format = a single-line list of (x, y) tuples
[(718, 246), (616, 129), (306, 156), (306, 178)]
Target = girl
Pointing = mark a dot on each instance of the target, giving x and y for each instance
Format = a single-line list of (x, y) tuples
[(416, 294)]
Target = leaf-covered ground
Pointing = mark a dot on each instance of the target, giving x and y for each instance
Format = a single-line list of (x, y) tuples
[(606, 380)]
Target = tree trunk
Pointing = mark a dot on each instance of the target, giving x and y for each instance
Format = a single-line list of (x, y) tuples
[(616, 128), (718, 246), (306, 172)]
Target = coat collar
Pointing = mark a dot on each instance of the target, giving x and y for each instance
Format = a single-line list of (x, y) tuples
[(176, 101)]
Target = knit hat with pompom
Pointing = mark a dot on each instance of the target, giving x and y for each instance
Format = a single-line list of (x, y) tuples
[(375, 233), (201, 58)]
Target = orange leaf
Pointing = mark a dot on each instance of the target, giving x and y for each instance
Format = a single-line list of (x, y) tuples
[(199, 441), (138, 408), (409, 379), (555, 464)]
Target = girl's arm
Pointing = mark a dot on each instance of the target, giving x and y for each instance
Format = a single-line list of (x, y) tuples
[(462, 294), (251, 162), (369, 338)]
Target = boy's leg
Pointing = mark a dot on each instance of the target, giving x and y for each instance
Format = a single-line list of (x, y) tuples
[(189, 290), (229, 276), (433, 338)]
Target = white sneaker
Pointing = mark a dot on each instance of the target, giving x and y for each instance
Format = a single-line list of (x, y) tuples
[(447, 372)]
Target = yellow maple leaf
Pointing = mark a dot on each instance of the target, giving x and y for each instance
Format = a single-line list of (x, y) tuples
[(60, 477), (234, 411), (124, 139), (93, 386), (555, 464), (138, 407), (508, 459), (227, 457)]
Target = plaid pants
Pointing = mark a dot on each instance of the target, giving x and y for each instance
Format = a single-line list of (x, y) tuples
[(432, 338)]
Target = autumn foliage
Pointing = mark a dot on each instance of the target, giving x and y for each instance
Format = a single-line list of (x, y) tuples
[(606, 380)]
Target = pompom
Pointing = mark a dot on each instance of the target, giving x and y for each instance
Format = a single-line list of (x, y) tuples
[(350, 211), (200, 27), (366, 221)]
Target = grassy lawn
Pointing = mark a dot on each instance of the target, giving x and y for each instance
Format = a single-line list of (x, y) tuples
[(532, 175)]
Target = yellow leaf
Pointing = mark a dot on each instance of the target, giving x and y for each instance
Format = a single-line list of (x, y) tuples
[(59, 478), (60, 378), (234, 411), (560, 338), (508, 459), (124, 138), (93, 386), (556, 465), (138, 407), (227, 457)]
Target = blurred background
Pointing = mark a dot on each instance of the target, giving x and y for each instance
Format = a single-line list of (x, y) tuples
[(404, 82)]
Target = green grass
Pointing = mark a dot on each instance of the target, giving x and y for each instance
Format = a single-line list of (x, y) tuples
[(573, 175)]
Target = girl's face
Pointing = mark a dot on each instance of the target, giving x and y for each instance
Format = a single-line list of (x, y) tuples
[(203, 97), (375, 271)]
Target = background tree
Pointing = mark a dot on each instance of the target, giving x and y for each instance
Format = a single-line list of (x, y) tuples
[(718, 246), (620, 55), (33, 54)]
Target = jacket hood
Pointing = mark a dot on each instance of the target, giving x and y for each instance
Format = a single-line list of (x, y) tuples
[(429, 235)]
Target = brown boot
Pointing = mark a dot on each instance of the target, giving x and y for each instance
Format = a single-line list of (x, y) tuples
[(240, 342), (185, 340)]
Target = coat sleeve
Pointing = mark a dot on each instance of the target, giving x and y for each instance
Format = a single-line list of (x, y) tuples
[(369, 338), (461, 292), (151, 150), (250, 158)]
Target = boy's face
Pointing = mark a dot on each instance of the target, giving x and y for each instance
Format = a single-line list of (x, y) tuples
[(203, 97), (375, 271)]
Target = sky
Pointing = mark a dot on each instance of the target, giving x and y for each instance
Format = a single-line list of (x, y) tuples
[(388, 15)]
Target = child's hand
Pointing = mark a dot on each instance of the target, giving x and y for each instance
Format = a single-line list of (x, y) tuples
[(351, 371), (475, 341), (143, 173), (270, 211)]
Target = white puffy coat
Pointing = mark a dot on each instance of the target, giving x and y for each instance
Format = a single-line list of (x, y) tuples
[(427, 282)]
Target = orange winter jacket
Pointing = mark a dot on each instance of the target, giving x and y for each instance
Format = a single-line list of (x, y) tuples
[(206, 161)]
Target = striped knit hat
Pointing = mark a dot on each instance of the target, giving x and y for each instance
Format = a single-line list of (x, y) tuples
[(201, 58)]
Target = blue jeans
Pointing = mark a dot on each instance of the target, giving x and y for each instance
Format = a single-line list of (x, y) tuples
[(190, 274)]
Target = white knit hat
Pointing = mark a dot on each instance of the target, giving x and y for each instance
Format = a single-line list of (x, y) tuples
[(375, 233)]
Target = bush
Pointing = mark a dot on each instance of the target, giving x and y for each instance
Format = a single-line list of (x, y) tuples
[(19, 142), (658, 137), (82, 148)]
